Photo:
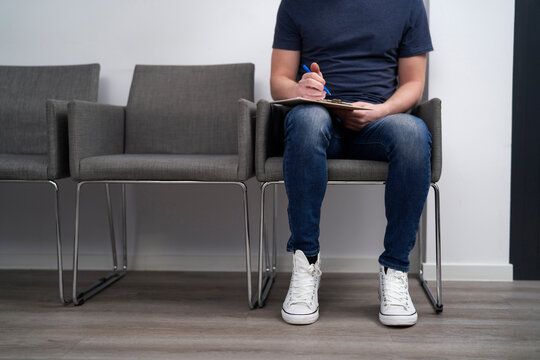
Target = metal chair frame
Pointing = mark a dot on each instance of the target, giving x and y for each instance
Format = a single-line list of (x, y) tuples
[(63, 299), (266, 281), (80, 297)]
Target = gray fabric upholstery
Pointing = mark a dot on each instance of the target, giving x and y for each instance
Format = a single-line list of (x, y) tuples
[(268, 135), (246, 139), (32, 126), (160, 167), (181, 123), (338, 170), (23, 167), (269, 147), (23, 92), (430, 112), (94, 130), (186, 109), (57, 128)]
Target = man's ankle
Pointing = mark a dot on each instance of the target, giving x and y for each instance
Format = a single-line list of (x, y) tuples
[(312, 259)]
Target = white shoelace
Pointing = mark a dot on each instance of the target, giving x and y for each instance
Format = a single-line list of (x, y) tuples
[(395, 291), (303, 284)]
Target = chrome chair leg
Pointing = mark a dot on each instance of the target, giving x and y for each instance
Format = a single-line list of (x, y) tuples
[(438, 245), (79, 298), (60, 265), (265, 246), (274, 227), (261, 230), (111, 227), (265, 284), (124, 227), (436, 302), (252, 301)]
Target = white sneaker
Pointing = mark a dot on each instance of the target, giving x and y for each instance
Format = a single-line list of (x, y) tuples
[(301, 306), (397, 308)]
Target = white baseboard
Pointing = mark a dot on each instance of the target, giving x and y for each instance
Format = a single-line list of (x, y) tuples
[(164, 262), (471, 272)]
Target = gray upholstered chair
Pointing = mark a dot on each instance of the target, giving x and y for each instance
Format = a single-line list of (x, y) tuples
[(269, 171), (33, 121), (182, 124)]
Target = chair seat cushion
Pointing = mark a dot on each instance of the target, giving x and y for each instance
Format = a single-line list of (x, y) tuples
[(338, 170), (160, 167), (23, 167)]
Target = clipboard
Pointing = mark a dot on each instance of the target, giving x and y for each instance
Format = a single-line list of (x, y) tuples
[(329, 104)]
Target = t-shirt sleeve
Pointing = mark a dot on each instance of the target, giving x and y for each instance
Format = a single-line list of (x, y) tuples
[(286, 34), (416, 38)]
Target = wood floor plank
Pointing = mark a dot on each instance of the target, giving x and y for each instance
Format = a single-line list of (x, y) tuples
[(167, 315)]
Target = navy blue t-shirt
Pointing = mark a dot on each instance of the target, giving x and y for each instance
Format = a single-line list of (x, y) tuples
[(357, 43)]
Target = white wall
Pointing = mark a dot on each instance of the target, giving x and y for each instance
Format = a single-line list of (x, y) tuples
[(471, 71), (186, 227)]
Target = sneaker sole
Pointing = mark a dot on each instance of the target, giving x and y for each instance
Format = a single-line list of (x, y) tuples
[(398, 320), (299, 319)]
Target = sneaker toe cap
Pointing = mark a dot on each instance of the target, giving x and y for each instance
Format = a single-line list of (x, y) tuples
[(299, 309), (397, 310)]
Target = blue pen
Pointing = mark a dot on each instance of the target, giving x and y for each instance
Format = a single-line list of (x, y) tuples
[(307, 69)]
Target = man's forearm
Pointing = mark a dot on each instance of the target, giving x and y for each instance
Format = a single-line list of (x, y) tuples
[(405, 97), (412, 73), (282, 87)]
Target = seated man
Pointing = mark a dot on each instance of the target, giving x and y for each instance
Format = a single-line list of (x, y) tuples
[(371, 53)]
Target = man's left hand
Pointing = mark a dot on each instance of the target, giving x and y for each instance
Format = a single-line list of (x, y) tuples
[(356, 120)]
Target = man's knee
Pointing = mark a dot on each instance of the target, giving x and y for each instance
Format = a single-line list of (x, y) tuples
[(308, 121), (410, 135)]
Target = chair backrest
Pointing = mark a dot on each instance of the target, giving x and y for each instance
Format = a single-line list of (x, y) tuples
[(23, 94), (186, 109)]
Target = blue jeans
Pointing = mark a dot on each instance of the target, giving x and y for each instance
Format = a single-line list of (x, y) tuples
[(313, 135)]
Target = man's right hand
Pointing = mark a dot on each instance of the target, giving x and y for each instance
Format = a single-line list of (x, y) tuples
[(311, 86), (283, 85)]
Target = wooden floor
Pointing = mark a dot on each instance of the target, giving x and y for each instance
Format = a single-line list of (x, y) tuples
[(158, 315)]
